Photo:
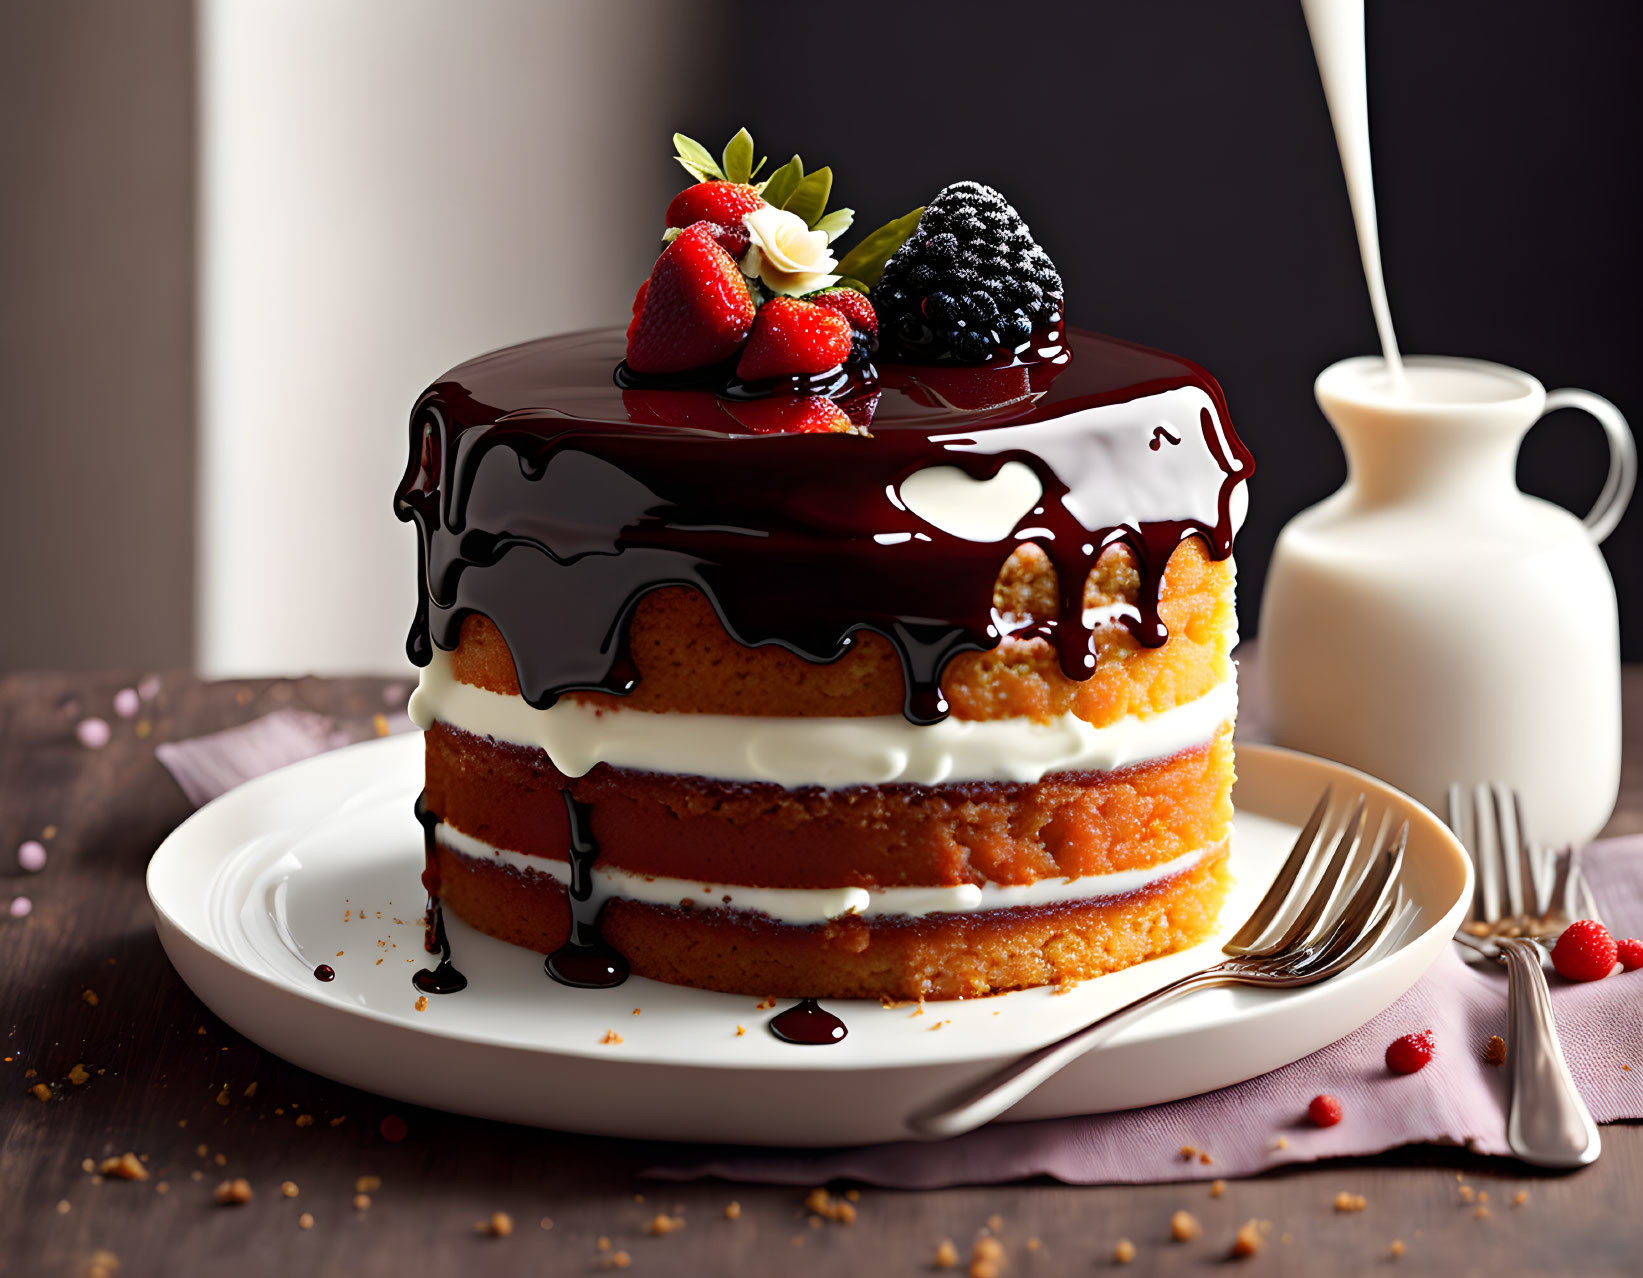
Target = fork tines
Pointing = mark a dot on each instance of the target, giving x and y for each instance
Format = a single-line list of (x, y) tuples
[(1333, 898), (1510, 869)]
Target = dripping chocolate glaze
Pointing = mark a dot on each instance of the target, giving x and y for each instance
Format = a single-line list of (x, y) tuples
[(442, 978), (550, 500), (584, 961)]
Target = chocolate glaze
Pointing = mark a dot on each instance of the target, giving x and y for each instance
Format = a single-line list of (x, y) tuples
[(809, 1024), (550, 500), (585, 961), (443, 978), (721, 379), (325, 972)]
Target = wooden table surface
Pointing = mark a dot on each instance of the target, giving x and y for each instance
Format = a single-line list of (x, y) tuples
[(83, 982)]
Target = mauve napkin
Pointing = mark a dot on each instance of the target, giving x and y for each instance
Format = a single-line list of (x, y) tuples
[(1248, 1128)]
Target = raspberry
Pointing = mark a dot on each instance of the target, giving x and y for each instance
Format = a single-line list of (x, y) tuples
[(1324, 1111), (969, 283), (1411, 1052), (864, 320), (1630, 953), (1585, 952), (850, 303)]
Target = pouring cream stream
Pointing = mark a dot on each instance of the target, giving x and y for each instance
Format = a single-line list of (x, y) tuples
[(1337, 43)]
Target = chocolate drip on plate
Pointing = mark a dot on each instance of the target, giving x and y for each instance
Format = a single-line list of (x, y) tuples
[(585, 961), (325, 972), (809, 1024), (442, 978)]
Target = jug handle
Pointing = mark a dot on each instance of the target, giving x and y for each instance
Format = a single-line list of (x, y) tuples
[(1617, 488)]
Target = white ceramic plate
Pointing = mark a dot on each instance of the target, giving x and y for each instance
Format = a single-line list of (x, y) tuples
[(318, 863)]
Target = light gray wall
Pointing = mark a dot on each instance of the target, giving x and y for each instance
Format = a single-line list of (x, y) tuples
[(388, 188), (96, 332), (103, 469)]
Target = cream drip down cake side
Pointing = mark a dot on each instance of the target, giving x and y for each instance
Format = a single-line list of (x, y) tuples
[(847, 627)]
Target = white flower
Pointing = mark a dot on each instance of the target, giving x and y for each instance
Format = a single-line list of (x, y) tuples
[(786, 256)]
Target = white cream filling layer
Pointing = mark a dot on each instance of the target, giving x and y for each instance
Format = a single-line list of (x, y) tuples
[(804, 906), (829, 752)]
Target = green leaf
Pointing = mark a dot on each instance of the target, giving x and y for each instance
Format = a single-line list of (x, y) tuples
[(762, 161), (835, 223), (696, 158), (809, 198), (738, 157), (866, 261), (780, 184)]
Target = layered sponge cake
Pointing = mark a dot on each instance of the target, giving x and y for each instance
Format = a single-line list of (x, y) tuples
[(901, 676)]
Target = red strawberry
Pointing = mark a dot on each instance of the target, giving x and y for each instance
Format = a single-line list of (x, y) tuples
[(638, 305), (790, 415), (723, 202), (696, 309), (1631, 954), (1585, 952), (850, 303), (793, 337)]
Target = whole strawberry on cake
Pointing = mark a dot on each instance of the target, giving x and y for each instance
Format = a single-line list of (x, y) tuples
[(846, 627)]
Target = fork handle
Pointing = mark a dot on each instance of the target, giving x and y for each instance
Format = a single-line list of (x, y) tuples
[(1546, 1121), (980, 1102)]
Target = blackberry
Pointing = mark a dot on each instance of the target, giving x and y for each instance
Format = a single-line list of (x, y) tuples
[(969, 283)]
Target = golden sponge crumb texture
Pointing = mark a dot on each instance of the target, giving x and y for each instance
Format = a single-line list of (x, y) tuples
[(1067, 825), (688, 664), (937, 956)]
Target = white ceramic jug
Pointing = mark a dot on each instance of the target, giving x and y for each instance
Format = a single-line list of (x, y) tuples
[(1430, 622)]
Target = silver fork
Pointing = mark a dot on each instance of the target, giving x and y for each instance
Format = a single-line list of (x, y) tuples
[(1514, 914), (1312, 924)]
